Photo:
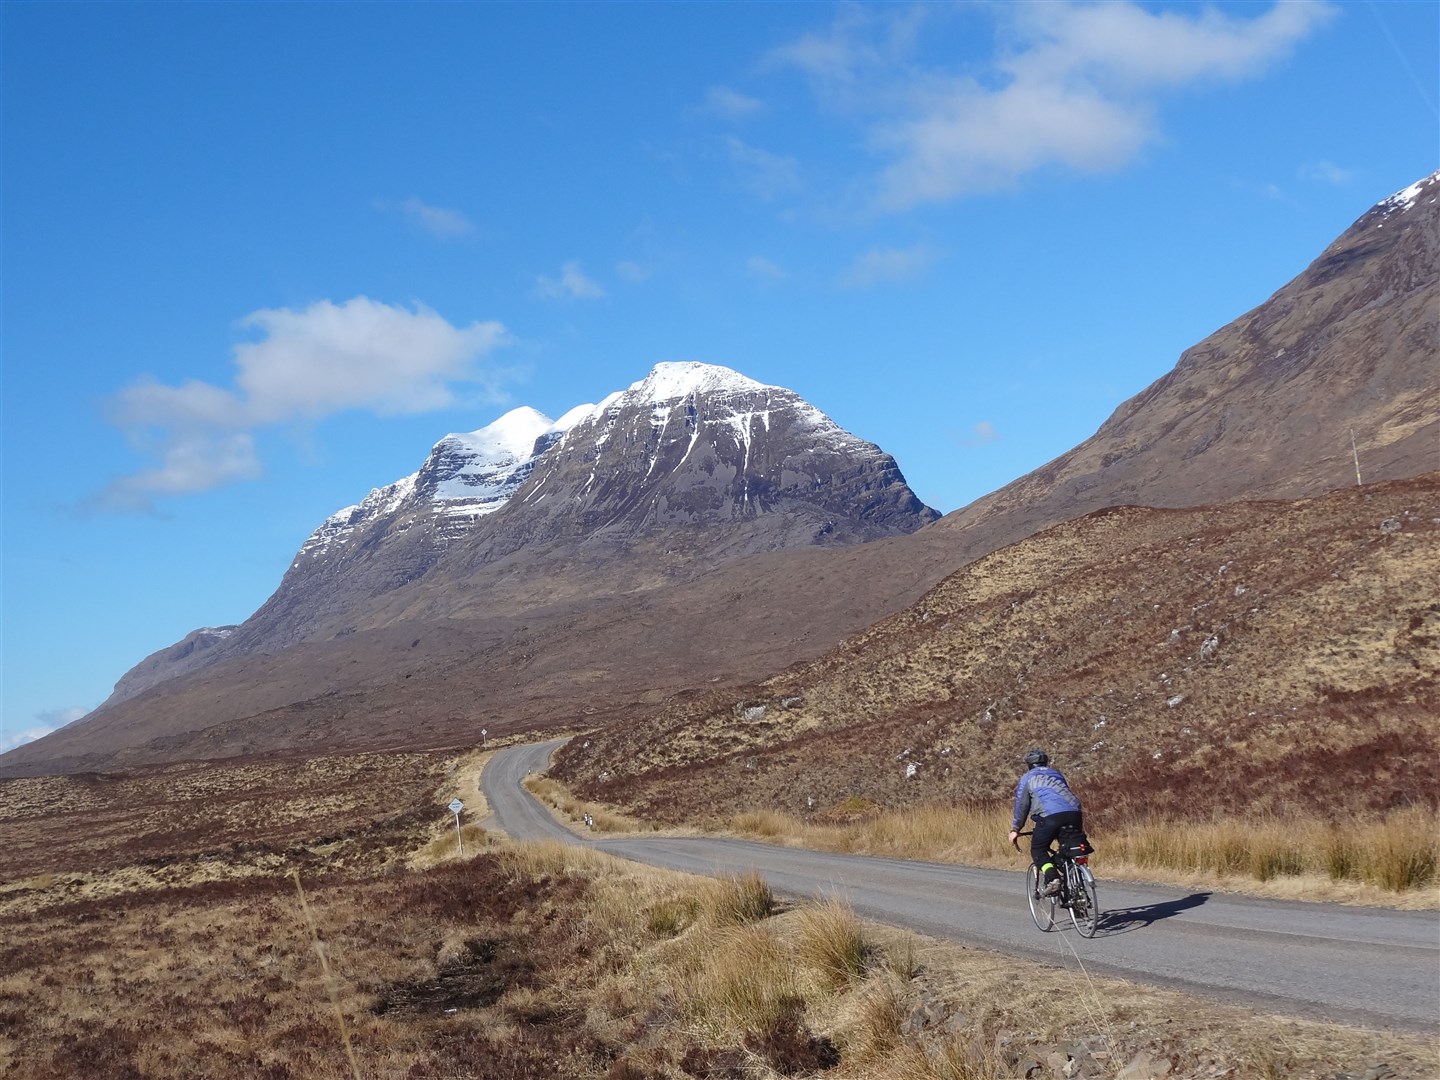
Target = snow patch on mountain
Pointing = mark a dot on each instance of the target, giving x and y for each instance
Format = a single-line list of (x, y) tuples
[(476, 473), (341, 524), (1407, 197), (676, 381)]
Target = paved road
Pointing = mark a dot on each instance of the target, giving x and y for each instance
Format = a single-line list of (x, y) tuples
[(1361, 965)]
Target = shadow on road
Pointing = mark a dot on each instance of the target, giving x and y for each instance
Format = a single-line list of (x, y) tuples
[(1124, 920)]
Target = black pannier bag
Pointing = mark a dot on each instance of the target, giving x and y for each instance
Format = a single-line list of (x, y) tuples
[(1074, 844)]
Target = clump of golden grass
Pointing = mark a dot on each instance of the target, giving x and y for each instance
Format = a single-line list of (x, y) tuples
[(951, 1058), (668, 918), (766, 823), (873, 1032), (828, 939), (550, 858), (735, 900), (737, 979)]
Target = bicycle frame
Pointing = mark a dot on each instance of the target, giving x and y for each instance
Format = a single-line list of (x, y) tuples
[(1078, 894)]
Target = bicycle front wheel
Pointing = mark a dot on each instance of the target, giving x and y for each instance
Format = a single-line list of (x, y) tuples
[(1042, 908), (1084, 901)]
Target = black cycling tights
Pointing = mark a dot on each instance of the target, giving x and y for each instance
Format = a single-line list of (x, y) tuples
[(1046, 830)]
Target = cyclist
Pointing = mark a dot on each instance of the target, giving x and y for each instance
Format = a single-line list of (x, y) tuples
[(1043, 794)]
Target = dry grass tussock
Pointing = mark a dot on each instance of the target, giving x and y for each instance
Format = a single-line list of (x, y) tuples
[(1389, 859)]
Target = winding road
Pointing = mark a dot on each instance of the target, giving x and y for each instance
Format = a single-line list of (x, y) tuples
[(1369, 966)]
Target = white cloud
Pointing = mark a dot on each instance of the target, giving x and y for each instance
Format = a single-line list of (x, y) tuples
[(45, 723), (765, 174), (438, 221), (357, 355), (888, 265), (761, 267), (306, 365), (1077, 85), (571, 284), (728, 104)]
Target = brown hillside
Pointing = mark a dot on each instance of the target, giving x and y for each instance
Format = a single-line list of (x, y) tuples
[(1248, 656)]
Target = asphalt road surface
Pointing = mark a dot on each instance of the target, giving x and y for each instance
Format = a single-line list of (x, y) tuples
[(1368, 966)]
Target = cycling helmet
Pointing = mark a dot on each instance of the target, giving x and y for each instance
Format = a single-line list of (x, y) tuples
[(1037, 757)]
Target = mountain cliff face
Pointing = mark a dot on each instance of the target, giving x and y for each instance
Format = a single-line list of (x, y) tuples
[(1267, 406), (655, 484)]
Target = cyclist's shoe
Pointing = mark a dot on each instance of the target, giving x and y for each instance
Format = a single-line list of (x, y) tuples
[(1052, 888)]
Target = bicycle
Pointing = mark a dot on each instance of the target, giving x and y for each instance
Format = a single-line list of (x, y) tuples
[(1077, 894)]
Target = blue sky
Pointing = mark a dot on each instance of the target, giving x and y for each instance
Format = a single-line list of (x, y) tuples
[(258, 258)]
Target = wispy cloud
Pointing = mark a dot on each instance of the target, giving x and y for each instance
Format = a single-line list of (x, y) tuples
[(764, 174), (760, 267), (982, 434), (45, 723), (632, 271), (1324, 172), (1266, 189), (572, 284), (730, 105), (306, 365), (1077, 85), (882, 266), (438, 221)]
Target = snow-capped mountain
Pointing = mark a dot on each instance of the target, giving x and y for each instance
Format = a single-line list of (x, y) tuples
[(681, 421), (692, 465)]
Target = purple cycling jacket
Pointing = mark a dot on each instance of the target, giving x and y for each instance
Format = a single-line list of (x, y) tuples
[(1041, 792)]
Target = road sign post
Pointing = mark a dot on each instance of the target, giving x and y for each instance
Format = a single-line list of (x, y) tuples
[(455, 807)]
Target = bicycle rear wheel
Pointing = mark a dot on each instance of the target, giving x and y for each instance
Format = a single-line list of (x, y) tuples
[(1042, 908), (1084, 901)]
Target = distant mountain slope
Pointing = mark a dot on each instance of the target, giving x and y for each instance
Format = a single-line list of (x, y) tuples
[(1249, 656), (1265, 407)]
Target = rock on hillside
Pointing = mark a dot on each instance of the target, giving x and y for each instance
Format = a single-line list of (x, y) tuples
[(1238, 655)]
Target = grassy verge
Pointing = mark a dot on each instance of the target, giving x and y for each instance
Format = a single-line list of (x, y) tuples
[(604, 819), (1388, 860)]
